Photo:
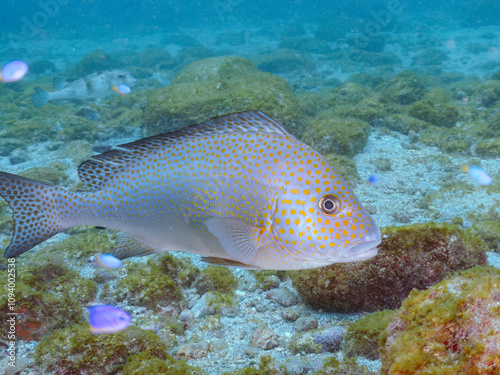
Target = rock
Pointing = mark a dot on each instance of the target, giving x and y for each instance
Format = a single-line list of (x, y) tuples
[(290, 314), (305, 323), (18, 156), (452, 325), (186, 316), (264, 338), (317, 341), (193, 351), (329, 338), (217, 86), (414, 256), (283, 296), (88, 113)]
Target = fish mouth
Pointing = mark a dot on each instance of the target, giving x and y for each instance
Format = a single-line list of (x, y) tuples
[(363, 250)]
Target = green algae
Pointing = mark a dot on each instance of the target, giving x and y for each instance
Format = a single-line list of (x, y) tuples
[(217, 86), (348, 366), (343, 136), (363, 337), (444, 115), (48, 296), (92, 62), (148, 287), (447, 329), (266, 278), (55, 174), (489, 231), (267, 366), (414, 256), (145, 363), (405, 88), (156, 282), (218, 279), (75, 350)]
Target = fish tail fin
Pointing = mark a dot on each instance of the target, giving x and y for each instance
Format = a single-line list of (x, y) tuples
[(36, 216), (40, 97)]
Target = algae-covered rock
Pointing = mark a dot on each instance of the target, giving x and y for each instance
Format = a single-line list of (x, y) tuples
[(488, 148), (405, 88), (348, 366), (55, 174), (346, 167), (404, 124), (489, 231), (312, 45), (92, 62), (451, 328), (217, 86), (344, 136), (216, 278), (48, 296), (284, 61), (440, 115), (415, 256), (75, 350), (145, 363), (363, 336), (150, 285)]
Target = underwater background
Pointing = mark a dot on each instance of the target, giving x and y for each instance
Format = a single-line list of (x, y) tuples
[(402, 97)]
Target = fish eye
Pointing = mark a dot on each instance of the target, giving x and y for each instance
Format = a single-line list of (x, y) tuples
[(121, 76), (330, 204)]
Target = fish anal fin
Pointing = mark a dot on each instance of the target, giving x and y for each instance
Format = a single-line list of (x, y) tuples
[(227, 263), (132, 246)]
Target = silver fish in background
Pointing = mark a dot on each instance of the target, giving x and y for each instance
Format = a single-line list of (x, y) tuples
[(239, 190), (94, 86)]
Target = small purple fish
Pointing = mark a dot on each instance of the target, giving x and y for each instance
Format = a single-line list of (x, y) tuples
[(478, 175), (109, 261), (14, 71), (107, 319), (373, 179), (122, 89)]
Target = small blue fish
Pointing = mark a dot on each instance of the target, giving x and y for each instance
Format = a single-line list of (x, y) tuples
[(107, 319), (478, 175), (14, 71), (373, 179), (109, 261), (122, 89)]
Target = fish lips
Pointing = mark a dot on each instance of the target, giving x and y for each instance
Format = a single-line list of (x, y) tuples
[(364, 250)]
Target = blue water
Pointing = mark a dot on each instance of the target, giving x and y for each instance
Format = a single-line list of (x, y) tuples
[(339, 59)]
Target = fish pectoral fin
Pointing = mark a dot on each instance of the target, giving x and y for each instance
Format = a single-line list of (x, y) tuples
[(132, 246), (227, 263), (58, 83), (237, 237)]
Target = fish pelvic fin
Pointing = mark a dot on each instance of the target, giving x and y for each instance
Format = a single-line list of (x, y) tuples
[(228, 263), (36, 218), (40, 97), (132, 246)]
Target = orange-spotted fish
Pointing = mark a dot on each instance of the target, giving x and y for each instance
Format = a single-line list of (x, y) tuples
[(239, 190)]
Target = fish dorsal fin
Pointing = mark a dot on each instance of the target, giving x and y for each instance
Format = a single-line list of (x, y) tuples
[(102, 168)]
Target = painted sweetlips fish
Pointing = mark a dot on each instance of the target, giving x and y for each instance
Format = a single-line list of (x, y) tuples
[(239, 190)]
